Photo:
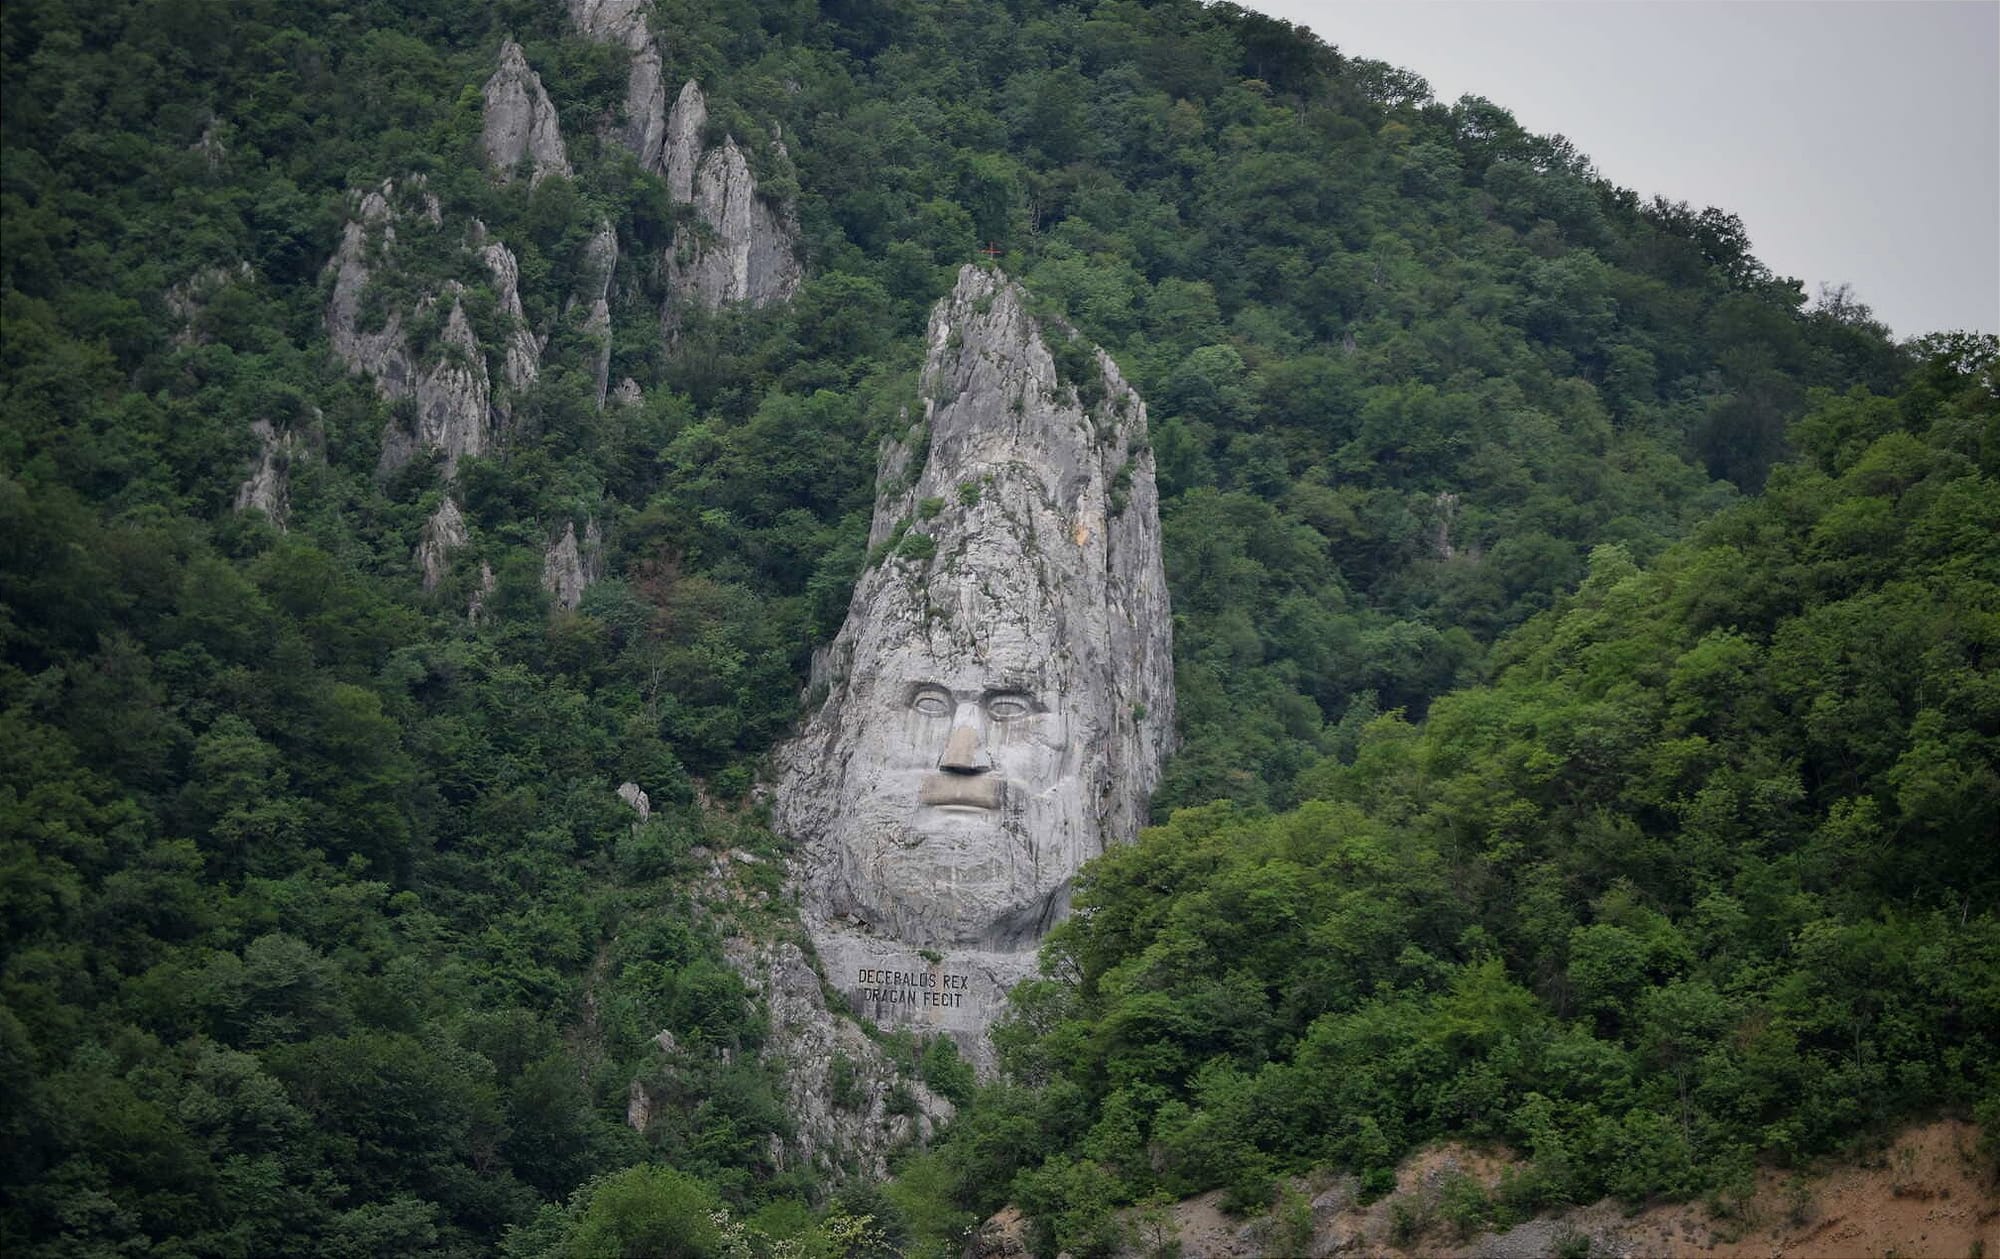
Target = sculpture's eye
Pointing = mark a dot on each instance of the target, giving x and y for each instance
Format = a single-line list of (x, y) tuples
[(932, 703), (1008, 707)]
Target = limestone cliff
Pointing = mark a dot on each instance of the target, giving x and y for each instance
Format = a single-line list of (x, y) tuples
[(840, 1088), (1000, 698), (523, 361), (519, 122), (382, 351), (851, 1103), (453, 398), (742, 249), (455, 406)]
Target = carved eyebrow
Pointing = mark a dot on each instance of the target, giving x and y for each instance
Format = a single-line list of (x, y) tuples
[(1016, 694)]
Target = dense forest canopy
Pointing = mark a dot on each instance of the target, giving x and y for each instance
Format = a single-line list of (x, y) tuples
[(1586, 646)]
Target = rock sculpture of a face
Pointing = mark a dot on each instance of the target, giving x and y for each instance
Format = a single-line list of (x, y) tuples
[(1001, 695)]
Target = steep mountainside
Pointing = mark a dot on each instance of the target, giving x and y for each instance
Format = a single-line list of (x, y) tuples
[(424, 422)]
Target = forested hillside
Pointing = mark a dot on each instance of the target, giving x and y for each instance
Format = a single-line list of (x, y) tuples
[(1585, 645), (1705, 875)]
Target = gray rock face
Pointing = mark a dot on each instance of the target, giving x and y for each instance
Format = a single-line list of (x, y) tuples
[(568, 567), (683, 146), (744, 250), (524, 352), (383, 353), (268, 487), (442, 534), (1000, 697), (748, 252), (637, 800), (520, 122), (600, 266), (623, 22), (475, 603), (838, 1083), (454, 400), (451, 392)]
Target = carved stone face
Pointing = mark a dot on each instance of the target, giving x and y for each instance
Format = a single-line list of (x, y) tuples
[(963, 795), (996, 706), (987, 743)]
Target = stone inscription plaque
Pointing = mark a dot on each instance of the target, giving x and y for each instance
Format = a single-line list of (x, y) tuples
[(943, 989)]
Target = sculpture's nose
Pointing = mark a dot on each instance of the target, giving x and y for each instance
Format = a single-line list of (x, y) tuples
[(964, 751)]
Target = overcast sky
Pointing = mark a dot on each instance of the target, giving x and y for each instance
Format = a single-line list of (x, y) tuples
[(1859, 142)]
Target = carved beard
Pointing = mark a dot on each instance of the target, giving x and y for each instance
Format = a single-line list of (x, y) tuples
[(966, 877)]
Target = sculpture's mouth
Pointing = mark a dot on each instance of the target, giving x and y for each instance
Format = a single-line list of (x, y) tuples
[(961, 791)]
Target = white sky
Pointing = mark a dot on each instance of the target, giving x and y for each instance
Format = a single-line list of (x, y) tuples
[(1859, 142)]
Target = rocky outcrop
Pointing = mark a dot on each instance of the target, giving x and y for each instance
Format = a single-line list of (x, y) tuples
[(742, 250), (523, 362), (213, 151), (442, 534), (451, 393), (1000, 698), (683, 141), (600, 266), (1445, 509), (850, 1106), (623, 22), (637, 800), (520, 123), (268, 487), (475, 603), (454, 407), (381, 352), (453, 400), (568, 567)]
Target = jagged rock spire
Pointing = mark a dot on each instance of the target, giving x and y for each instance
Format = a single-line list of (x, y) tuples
[(520, 122)]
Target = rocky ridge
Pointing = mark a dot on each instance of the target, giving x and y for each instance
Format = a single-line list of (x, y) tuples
[(454, 406), (442, 534), (523, 361), (452, 393), (600, 266), (743, 249)]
